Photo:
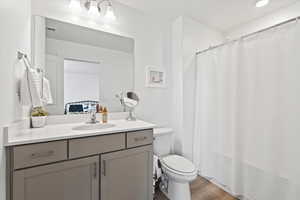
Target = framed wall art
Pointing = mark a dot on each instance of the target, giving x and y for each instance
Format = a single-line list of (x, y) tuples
[(155, 77)]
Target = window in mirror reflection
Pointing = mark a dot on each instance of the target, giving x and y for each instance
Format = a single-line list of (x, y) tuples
[(81, 86)]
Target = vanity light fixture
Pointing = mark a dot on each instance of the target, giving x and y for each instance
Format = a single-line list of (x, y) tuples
[(110, 15), (261, 3), (94, 7)]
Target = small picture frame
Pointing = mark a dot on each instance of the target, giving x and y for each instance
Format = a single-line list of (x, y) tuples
[(155, 77)]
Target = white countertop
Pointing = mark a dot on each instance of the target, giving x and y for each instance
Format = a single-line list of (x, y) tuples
[(65, 131)]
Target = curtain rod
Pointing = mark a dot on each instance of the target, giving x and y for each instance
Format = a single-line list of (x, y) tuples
[(248, 35)]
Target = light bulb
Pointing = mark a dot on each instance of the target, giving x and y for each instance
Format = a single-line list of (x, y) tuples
[(94, 10), (110, 15), (75, 5), (262, 3)]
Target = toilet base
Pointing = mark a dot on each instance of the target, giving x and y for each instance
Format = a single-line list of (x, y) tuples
[(178, 191)]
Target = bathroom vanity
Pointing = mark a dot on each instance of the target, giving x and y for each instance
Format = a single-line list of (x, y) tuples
[(59, 162), (72, 160)]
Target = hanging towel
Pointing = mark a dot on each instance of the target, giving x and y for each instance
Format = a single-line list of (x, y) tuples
[(47, 96), (30, 90)]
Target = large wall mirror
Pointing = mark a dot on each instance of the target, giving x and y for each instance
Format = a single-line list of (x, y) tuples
[(85, 67)]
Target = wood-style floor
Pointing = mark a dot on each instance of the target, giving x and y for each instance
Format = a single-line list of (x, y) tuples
[(202, 189)]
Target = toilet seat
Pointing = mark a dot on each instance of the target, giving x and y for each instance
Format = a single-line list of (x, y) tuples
[(178, 165)]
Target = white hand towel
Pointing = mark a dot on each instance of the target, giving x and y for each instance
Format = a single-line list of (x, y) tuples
[(30, 88), (25, 96), (47, 96)]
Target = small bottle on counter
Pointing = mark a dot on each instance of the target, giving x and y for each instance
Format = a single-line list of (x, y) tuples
[(97, 108), (104, 115)]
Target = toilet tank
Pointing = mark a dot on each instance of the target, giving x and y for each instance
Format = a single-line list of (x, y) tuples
[(163, 141)]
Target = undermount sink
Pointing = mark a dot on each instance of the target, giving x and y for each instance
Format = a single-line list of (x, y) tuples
[(87, 127)]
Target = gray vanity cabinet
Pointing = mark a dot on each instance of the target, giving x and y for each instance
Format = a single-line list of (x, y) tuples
[(127, 175), (69, 180), (70, 169)]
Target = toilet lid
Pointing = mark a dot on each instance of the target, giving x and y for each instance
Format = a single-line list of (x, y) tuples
[(179, 163)]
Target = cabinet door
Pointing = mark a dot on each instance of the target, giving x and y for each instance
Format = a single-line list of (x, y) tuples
[(127, 175), (70, 180)]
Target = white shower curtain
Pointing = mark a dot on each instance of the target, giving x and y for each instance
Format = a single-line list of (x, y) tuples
[(247, 115)]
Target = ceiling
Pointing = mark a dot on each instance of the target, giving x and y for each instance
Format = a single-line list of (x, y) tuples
[(220, 14)]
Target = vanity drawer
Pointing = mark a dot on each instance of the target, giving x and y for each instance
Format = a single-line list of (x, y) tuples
[(96, 145), (139, 138), (37, 154)]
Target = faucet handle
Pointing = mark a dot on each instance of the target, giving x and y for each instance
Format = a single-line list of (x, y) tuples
[(93, 113)]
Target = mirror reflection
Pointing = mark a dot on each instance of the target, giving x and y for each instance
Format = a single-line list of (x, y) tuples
[(86, 68)]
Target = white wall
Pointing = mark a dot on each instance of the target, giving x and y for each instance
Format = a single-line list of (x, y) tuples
[(189, 36), (266, 21), (15, 35), (177, 78), (152, 43)]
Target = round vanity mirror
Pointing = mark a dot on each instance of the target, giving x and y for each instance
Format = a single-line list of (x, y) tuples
[(131, 100)]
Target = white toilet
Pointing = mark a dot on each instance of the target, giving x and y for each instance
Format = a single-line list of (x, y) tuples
[(179, 170)]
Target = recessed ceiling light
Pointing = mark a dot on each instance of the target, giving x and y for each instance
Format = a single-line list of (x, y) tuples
[(262, 3)]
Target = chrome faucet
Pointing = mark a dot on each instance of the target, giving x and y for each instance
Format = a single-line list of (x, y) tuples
[(121, 99), (93, 118)]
